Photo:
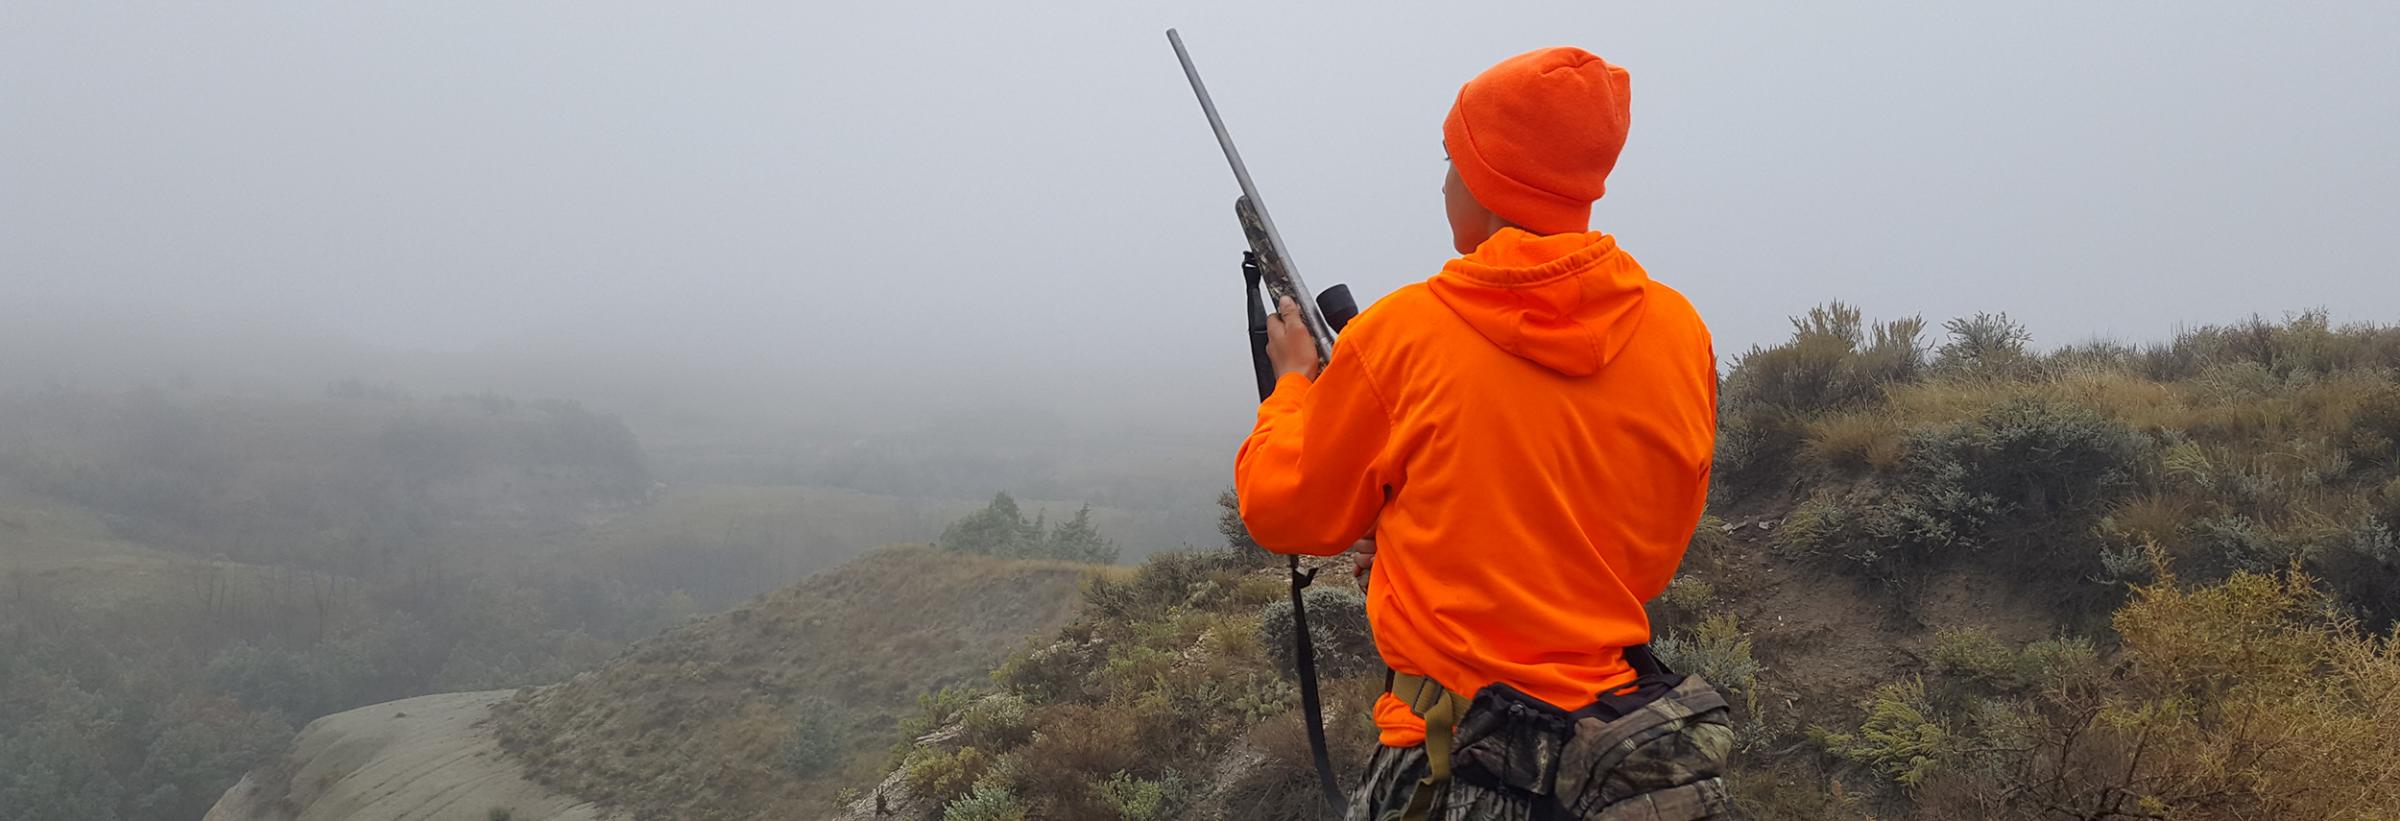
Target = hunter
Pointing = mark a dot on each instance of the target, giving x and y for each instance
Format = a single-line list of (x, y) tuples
[(1524, 442)]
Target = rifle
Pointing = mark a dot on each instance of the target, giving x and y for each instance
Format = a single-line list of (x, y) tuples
[(1268, 277)]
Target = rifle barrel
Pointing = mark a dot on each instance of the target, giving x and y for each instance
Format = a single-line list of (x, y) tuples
[(1275, 250)]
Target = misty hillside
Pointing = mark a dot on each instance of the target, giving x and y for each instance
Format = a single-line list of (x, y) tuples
[(1944, 576), (188, 576), (1942, 579), (1953, 580), (767, 710)]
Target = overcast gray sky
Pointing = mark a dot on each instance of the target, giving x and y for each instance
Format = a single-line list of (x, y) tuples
[(896, 196)]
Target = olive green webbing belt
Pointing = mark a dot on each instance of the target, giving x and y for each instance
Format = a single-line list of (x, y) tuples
[(1441, 710)]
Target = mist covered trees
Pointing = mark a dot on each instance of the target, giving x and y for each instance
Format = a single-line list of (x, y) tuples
[(1001, 529)]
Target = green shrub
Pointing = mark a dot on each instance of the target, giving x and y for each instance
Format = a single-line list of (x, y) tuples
[(2031, 472), (1756, 446), (2360, 563), (1810, 372), (1137, 799), (2059, 665), (1987, 344), (2125, 563), (1689, 595), (1889, 529), (1168, 581), (986, 803), (1901, 738), (815, 743), (1134, 669), (1337, 628), (1974, 655), (1055, 672), (943, 775), (2238, 542), (1709, 538), (996, 722), (2245, 699), (1078, 742), (1200, 706), (2100, 355), (1833, 361), (1717, 650), (2037, 457), (2391, 501), (1975, 659), (935, 709), (2372, 540), (1818, 524), (2375, 428)]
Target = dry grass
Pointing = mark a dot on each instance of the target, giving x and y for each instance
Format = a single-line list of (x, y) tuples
[(1932, 402), (2150, 519), (2144, 404), (1855, 443), (687, 725)]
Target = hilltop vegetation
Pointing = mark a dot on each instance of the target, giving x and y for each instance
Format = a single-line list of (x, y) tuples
[(1171, 697), (766, 711), (1964, 580), (2251, 447), (1001, 529), (2230, 496)]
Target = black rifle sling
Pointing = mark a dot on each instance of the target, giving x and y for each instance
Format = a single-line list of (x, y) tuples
[(1260, 365), (1312, 708)]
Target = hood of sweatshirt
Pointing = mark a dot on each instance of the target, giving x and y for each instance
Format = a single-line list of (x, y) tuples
[(1569, 302)]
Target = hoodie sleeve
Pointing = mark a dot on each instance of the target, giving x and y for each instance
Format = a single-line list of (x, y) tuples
[(1311, 476)]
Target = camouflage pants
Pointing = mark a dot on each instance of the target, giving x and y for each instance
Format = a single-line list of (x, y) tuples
[(1663, 761), (1392, 776)]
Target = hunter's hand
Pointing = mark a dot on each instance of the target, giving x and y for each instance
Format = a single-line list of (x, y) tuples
[(1362, 556), (1289, 345)]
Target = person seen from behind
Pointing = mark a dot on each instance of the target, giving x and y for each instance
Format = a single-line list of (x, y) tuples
[(1519, 450)]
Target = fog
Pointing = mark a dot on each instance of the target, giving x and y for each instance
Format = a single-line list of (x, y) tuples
[(353, 352), (865, 212)]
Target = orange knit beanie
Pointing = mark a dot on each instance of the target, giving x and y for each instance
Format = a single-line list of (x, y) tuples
[(1535, 137)]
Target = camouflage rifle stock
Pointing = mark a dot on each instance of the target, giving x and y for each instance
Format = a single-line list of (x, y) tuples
[(1325, 314), (1267, 267)]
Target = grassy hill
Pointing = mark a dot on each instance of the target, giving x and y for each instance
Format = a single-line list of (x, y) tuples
[(766, 711), (69, 553), (186, 575), (1953, 578), (1941, 581)]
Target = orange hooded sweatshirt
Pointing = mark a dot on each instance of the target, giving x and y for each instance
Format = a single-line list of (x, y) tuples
[(1528, 434)]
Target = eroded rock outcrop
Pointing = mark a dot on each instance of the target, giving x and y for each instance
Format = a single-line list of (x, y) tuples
[(429, 758)]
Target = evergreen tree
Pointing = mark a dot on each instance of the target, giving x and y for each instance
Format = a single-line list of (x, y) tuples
[(997, 529), (1229, 523), (1078, 540)]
